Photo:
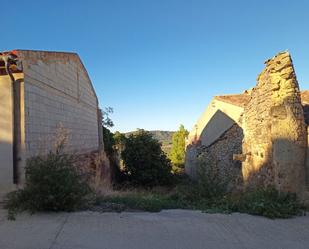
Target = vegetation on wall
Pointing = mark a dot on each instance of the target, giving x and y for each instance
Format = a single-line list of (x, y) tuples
[(144, 161), (52, 184), (108, 140)]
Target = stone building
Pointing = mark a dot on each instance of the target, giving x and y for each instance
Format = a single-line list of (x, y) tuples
[(260, 137), (40, 92)]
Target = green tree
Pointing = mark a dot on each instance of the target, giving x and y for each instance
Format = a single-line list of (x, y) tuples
[(108, 136), (177, 155), (109, 142), (106, 120), (145, 162), (120, 140)]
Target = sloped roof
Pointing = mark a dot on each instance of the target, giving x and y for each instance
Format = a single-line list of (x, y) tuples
[(242, 99), (235, 99), (305, 97), (305, 102), (32, 56)]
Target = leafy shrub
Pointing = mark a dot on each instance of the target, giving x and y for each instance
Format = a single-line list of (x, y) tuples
[(144, 161), (268, 202), (52, 184)]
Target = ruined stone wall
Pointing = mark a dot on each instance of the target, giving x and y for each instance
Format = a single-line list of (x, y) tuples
[(307, 161), (306, 113), (220, 155), (274, 129), (58, 92), (221, 114), (305, 103), (95, 166)]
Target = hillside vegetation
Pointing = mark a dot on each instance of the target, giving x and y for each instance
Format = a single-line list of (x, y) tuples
[(164, 137)]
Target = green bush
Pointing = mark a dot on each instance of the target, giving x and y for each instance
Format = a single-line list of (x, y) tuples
[(268, 202), (52, 184), (144, 161)]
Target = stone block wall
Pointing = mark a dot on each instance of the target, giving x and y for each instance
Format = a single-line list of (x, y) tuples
[(58, 92), (274, 129)]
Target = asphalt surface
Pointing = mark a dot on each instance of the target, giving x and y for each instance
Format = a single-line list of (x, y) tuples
[(170, 229)]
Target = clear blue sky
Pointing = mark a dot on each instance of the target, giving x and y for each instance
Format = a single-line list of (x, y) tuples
[(159, 62)]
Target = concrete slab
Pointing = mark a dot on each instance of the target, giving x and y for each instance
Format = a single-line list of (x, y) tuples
[(179, 229)]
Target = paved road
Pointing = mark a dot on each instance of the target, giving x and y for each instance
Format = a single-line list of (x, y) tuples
[(173, 229)]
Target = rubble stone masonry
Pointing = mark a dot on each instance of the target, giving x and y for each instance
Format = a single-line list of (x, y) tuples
[(220, 155), (275, 135), (270, 136)]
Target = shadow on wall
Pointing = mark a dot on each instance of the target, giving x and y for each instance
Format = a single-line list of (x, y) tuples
[(6, 132), (6, 165), (6, 115), (217, 155), (283, 166), (217, 125), (306, 113)]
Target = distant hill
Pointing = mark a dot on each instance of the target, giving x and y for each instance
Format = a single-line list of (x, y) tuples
[(164, 137)]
